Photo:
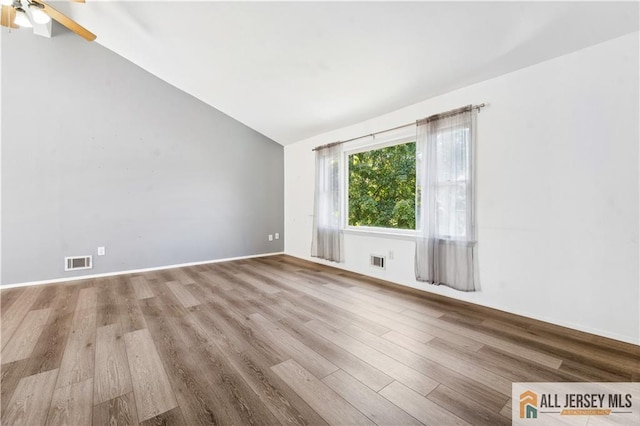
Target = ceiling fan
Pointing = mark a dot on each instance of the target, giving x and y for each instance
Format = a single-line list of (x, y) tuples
[(23, 13)]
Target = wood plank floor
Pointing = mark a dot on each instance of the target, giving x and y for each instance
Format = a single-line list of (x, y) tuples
[(275, 340)]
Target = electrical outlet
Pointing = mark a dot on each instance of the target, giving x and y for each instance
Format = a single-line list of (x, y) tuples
[(101, 251), (270, 237), (277, 236)]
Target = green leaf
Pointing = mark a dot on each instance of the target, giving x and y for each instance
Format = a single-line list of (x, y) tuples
[(382, 185)]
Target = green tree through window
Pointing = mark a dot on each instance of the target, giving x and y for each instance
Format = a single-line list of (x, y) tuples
[(382, 187)]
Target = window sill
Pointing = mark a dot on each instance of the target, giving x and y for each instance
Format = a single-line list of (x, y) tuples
[(382, 233)]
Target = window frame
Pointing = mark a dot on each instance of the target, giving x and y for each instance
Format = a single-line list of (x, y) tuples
[(404, 136)]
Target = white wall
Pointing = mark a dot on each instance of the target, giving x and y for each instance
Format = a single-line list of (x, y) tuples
[(557, 192)]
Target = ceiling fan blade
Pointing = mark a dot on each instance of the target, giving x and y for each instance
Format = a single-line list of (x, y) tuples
[(7, 17), (68, 22)]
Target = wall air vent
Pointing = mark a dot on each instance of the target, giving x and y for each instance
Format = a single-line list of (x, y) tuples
[(377, 261), (77, 262)]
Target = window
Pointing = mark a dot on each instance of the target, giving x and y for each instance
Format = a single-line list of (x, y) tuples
[(452, 183), (381, 184), (382, 187)]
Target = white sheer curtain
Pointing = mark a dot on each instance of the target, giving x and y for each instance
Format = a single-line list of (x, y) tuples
[(445, 200), (327, 218)]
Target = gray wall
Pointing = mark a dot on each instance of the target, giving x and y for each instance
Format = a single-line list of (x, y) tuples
[(98, 152)]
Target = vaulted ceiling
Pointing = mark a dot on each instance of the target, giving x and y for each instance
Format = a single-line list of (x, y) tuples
[(292, 70)]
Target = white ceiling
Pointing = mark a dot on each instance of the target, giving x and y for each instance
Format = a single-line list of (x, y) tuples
[(293, 70)]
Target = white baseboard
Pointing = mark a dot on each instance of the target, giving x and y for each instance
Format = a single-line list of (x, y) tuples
[(134, 271)]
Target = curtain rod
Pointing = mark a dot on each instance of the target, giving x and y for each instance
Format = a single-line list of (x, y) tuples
[(389, 130)]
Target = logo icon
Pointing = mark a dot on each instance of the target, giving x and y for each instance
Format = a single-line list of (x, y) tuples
[(528, 405)]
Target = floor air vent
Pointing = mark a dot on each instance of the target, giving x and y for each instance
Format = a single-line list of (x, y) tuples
[(377, 261), (77, 262)]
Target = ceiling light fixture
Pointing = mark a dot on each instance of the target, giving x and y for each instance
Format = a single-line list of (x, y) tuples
[(21, 19), (38, 16), (30, 13)]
